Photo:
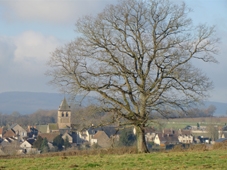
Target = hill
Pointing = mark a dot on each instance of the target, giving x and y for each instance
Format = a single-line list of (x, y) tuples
[(29, 102)]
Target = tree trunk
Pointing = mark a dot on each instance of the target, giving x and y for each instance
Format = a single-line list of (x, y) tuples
[(141, 142)]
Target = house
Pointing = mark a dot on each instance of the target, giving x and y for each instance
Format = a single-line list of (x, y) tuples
[(32, 131), (69, 136), (101, 139), (27, 146), (49, 128), (221, 140), (52, 128), (21, 132), (9, 133), (49, 136), (149, 137), (42, 128), (87, 135), (165, 139), (185, 136), (10, 146)]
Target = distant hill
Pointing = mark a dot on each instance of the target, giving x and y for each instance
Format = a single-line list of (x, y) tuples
[(221, 108), (30, 102)]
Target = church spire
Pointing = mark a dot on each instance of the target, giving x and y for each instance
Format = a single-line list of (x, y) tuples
[(64, 106)]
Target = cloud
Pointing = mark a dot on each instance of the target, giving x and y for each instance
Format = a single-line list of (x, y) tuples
[(34, 48), (53, 11), (24, 58), (7, 48)]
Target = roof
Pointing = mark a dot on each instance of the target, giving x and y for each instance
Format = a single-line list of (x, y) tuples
[(31, 141), (110, 131), (49, 136), (102, 139), (53, 126), (9, 133), (64, 106), (184, 132), (100, 134), (42, 128), (221, 140), (13, 125), (18, 128), (167, 138)]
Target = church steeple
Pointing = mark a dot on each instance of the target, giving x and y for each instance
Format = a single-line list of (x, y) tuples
[(64, 106), (64, 115)]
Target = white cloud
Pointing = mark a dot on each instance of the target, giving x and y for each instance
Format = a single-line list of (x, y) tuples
[(54, 11), (33, 46), (6, 51), (24, 58)]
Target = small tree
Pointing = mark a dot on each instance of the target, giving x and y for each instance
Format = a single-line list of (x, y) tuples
[(127, 138), (44, 146), (58, 142), (38, 143)]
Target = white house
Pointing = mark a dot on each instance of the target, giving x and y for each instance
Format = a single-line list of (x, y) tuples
[(27, 146), (185, 139)]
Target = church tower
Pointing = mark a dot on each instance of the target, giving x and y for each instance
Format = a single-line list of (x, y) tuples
[(64, 115)]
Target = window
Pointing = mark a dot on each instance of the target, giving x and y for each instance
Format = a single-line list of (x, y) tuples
[(66, 114), (62, 114)]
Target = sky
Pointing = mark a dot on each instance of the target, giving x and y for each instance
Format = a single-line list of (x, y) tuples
[(30, 30)]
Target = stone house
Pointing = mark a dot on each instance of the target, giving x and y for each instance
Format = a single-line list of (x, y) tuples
[(162, 139), (101, 139), (19, 131), (10, 146), (185, 136)]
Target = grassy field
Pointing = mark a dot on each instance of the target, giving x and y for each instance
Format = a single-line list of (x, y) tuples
[(174, 160), (180, 123)]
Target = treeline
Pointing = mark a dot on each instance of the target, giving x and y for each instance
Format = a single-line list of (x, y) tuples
[(189, 113), (203, 112), (39, 117), (86, 116)]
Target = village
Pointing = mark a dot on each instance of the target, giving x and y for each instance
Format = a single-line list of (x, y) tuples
[(17, 140)]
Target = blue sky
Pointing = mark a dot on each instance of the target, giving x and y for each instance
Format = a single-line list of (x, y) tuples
[(31, 29)]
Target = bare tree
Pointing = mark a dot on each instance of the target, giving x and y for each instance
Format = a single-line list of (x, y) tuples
[(137, 57)]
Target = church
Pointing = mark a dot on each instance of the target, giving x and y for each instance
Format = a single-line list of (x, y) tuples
[(64, 115), (64, 122)]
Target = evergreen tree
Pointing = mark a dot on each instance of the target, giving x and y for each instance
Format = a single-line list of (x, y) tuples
[(58, 142), (66, 143), (37, 144), (127, 138), (44, 146)]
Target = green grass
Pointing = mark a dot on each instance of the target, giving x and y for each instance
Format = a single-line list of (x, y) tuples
[(214, 159)]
